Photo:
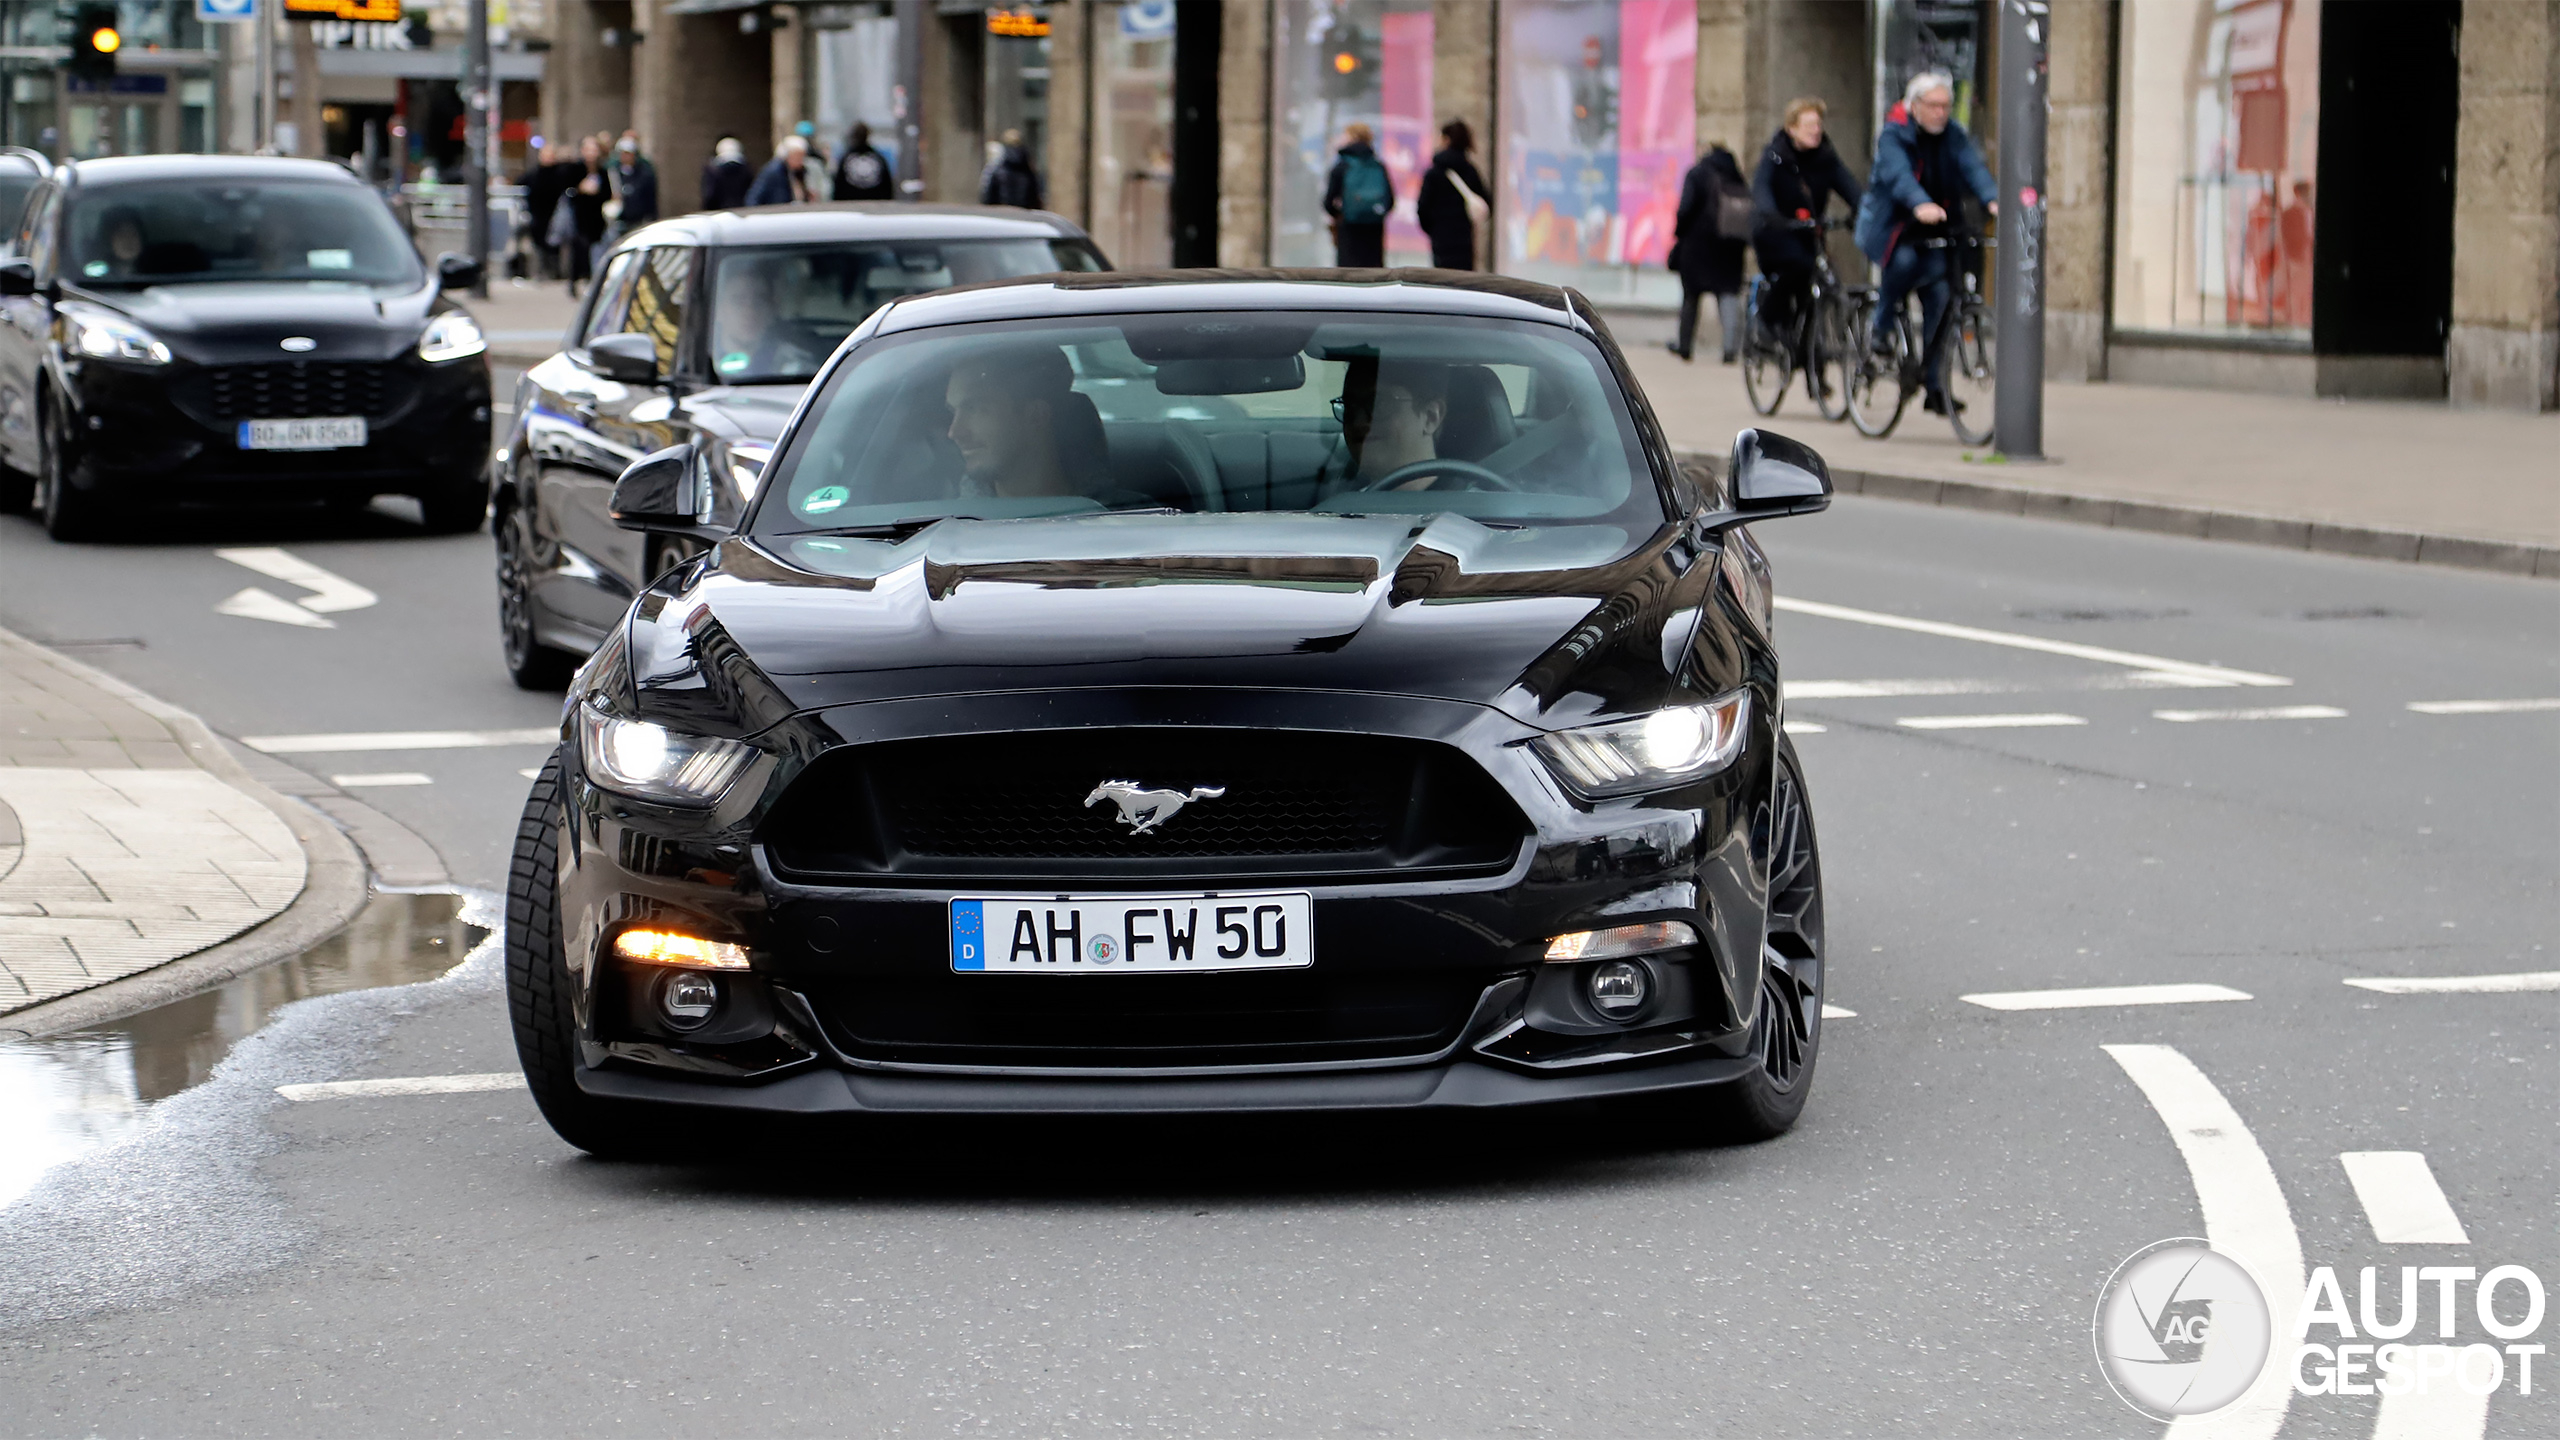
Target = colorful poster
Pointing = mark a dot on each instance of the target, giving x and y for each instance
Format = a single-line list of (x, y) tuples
[(1599, 123), (1405, 131), (1658, 122)]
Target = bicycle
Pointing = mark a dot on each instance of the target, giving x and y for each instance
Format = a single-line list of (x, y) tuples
[(1821, 345), (1965, 334)]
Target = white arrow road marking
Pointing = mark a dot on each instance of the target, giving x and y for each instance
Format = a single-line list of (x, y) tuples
[(403, 1085), (396, 740), (2402, 1199), (329, 593), (2187, 671), (2437, 1408), (2521, 983), (2481, 707), (2098, 996), (2245, 1217)]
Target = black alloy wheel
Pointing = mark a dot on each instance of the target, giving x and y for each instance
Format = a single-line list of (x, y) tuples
[(1786, 1037), (69, 512), (530, 663)]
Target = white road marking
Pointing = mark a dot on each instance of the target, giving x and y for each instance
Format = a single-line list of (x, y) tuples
[(2097, 996), (353, 740), (2402, 1199), (1805, 727), (2263, 712), (533, 774), (2520, 983), (2481, 707), (1988, 722), (1875, 689), (404, 1085), (2245, 1217), (384, 777), (1835, 1012), (2195, 673), (329, 593), (259, 604), (2438, 1408)]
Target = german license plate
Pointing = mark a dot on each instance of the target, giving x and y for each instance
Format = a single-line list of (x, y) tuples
[(335, 433), (1132, 934)]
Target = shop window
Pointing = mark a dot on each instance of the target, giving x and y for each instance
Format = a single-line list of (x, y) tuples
[(1133, 133), (1599, 124), (1336, 63), (2217, 150)]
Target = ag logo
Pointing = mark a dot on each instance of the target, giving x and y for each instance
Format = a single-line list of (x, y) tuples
[(2182, 1329)]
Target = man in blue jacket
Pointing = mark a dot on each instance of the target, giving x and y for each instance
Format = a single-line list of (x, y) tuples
[(1925, 164)]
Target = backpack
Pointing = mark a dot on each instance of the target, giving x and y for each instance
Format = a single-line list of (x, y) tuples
[(1367, 194)]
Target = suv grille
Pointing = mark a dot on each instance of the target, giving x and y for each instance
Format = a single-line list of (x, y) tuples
[(1296, 803), (288, 390)]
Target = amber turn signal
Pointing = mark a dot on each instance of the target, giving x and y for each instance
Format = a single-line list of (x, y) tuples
[(669, 947)]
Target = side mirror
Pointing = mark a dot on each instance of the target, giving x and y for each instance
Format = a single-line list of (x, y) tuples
[(457, 271), (663, 492), (17, 277), (631, 359), (1771, 476)]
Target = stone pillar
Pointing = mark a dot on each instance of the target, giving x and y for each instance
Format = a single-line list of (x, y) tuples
[(2079, 189), (1067, 164), (1244, 134), (1809, 47), (1724, 83), (310, 132), (954, 106), (789, 34), (586, 84), (695, 78), (1463, 47), (2504, 348)]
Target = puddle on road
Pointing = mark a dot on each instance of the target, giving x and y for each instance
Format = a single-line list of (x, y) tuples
[(69, 1094)]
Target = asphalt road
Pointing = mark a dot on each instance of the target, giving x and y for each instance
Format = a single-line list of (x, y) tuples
[(1920, 1257)]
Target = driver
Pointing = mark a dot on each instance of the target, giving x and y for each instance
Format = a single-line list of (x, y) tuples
[(1012, 418), (123, 232), (1397, 423)]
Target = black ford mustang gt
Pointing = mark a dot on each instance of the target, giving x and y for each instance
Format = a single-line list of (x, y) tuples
[(1199, 691)]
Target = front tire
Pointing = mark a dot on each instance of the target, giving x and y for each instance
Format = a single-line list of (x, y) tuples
[(530, 663), (1765, 368), (1835, 357), (1787, 1035), (1972, 377), (69, 512), (1875, 390)]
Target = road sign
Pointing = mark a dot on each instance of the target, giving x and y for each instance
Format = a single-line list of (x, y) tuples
[(226, 12)]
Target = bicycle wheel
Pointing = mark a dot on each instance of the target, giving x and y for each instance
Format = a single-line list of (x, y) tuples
[(1972, 376), (1875, 390), (1835, 350), (1765, 369)]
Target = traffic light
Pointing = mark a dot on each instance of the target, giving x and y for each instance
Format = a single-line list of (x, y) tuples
[(1350, 64), (95, 39)]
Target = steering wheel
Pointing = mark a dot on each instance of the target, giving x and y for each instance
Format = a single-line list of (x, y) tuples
[(1442, 465)]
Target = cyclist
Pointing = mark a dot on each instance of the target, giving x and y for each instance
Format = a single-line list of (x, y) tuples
[(1799, 172), (1925, 164)]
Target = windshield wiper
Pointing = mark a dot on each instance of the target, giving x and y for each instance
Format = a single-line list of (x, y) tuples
[(888, 529)]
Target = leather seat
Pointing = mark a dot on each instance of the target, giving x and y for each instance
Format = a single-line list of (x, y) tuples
[(1479, 419)]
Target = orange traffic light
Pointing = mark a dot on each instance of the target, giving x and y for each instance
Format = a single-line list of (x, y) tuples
[(105, 40)]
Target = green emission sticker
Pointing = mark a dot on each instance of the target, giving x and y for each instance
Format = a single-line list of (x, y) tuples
[(824, 499), (733, 362)]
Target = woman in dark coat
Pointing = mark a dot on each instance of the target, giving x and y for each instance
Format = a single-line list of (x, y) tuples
[(1709, 262), (1440, 209), (1798, 175)]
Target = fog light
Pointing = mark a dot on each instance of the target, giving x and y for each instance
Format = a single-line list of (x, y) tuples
[(1620, 940), (671, 947), (687, 998), (1620, 988)]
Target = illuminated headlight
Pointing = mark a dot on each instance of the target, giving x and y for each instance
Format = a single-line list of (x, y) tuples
[(1680, 743), (674, 947), (104, 337), (451, 336), (652, 762), (1619, 941)]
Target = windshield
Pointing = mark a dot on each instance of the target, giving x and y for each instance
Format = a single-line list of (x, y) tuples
[(15, 187), (188, 233), (777, 313), (1232, 412)]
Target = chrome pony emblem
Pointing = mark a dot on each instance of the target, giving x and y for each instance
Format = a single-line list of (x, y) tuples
[(1142, 809)]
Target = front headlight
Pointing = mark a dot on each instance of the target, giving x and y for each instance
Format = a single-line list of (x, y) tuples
[(1671, 745), (451, 336), (106, 337), (652, 762)]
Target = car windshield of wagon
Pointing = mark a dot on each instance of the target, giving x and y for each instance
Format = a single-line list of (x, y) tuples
[(1226, 412), (778, 311), (196, 232)]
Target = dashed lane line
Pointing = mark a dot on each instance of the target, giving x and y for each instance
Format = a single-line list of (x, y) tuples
[(381, 777), (2263, 712), (1806, 727), (2401, 1198), (2481, 707), (1989, 722), (350, 741), (2098, 997), (404, 1085), (2190, 671), (2245, 1217), (2523, 982), (2437, 1408)]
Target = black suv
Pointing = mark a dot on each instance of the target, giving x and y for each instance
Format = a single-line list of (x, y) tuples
[(217, 330)]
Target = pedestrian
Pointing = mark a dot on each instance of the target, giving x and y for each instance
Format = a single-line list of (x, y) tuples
[(635, 186), (784, 180), (1707, 244), (1010, 178), (1358, 194), (1451, 203), (587, 196), (1925, 165), (862, 173), (1799, 172), (726, 176), (544, 184)]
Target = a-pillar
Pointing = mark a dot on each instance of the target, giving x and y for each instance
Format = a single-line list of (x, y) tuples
[(695, 78), (2503, 351)]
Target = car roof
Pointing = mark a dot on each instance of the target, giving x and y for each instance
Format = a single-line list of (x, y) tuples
[(856, 220), (1437, 292), (131, 169)]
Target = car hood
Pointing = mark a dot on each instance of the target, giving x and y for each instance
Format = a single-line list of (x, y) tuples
[(230, 323), (1555, 625)]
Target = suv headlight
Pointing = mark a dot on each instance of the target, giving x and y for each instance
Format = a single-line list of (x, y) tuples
[(652, 762), (1666, 747), (107, 337), (451, 336)]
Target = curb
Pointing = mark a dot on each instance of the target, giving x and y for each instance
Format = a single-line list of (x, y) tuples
[(335, 883), (2194, 522)]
